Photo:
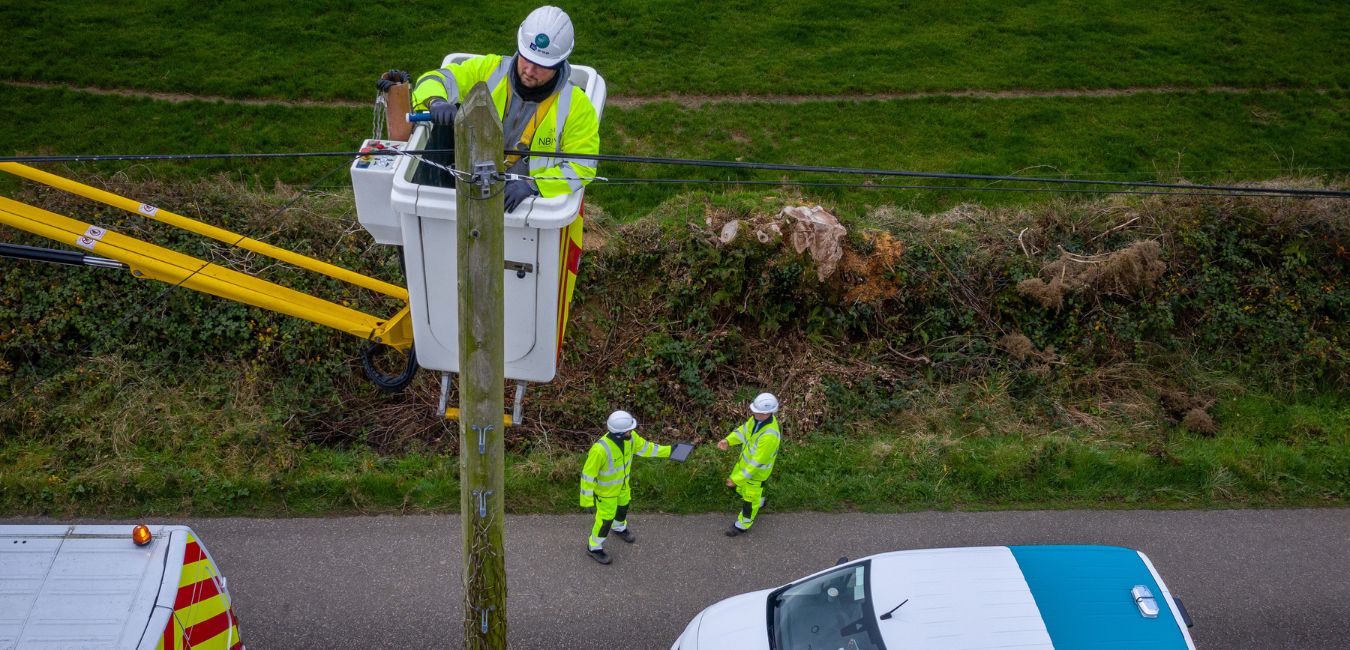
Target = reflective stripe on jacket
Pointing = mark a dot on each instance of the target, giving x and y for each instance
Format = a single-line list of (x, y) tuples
[(758, 452), (608, 465), (572, 115)]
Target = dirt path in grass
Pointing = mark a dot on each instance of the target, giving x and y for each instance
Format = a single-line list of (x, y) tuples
[(696, 100)]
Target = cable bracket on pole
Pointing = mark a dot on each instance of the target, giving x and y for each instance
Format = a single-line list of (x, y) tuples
[(483, 177), (484, 611), (482, 501), (482, 431)]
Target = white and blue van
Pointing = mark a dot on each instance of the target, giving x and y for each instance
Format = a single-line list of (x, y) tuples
[(1025, 597)]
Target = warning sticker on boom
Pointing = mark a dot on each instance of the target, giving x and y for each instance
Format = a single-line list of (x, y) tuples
[(92, 235)]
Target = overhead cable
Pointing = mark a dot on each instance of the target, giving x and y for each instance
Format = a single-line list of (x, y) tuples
[(944, 188), (824, 169), (722, 164)]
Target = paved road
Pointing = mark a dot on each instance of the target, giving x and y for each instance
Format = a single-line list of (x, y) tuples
[(1264, 579)]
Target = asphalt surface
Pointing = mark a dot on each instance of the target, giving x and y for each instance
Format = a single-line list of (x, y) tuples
[(1265, 579)]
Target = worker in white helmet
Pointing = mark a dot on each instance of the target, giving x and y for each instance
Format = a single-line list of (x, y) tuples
[(759, 439), (541, 110), (605, 485)]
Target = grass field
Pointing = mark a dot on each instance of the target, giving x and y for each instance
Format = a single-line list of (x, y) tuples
[(260, 50), (1201, 137), (316, 49)]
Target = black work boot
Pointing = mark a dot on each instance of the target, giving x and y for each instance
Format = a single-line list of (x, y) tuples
[(626, 535), (736, 530), (599, 555)]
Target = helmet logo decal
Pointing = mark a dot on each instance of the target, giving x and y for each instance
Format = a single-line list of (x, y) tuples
[(540, 42)]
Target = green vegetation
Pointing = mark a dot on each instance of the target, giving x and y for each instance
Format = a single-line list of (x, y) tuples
[(972, 350), (312, 49), (949, 362), (139, 445)]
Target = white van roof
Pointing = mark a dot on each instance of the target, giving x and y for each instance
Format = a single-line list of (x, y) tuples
[(85, 586)]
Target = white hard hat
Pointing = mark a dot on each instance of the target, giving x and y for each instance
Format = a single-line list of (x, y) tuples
[(764, 403), (621, 421), (545, 38)]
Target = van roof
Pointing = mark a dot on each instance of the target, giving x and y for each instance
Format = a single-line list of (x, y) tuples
[(1025, 596), (79, 586)]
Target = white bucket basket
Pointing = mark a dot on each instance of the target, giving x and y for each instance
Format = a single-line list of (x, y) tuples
[(541, 246)]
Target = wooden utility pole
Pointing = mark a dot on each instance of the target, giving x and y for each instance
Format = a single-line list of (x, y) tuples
[(478, 154)]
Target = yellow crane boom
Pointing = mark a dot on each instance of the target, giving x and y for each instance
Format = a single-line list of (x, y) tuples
[(150, 261)]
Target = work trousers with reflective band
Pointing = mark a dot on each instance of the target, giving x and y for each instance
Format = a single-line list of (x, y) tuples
[(752, 497), (611, 513)]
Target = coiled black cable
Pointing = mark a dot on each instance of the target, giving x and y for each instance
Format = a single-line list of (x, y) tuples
[(387, 383)]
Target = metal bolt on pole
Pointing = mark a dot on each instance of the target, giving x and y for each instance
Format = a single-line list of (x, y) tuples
[(478, 150)]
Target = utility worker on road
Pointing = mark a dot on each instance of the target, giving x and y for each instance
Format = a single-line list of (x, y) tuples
[(604, 480), (541, 110), (758, 438)]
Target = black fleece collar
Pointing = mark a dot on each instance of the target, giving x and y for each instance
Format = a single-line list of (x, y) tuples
[(535, 94)]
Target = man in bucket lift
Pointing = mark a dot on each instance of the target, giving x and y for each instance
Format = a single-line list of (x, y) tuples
[(604, 480), (541, 110)]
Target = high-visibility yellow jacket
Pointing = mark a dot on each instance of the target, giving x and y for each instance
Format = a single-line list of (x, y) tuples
[(759, 451), (608, 465), (570, 125)]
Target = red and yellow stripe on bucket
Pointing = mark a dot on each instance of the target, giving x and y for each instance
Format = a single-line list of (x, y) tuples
[(570, 259), (202, 616)]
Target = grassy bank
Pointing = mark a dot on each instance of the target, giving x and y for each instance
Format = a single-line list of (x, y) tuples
[(1136, 352), (210, 447)]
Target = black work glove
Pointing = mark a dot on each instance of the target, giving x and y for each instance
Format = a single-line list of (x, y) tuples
[(443, 112), (390, 79), (517, 191), (522, 166)]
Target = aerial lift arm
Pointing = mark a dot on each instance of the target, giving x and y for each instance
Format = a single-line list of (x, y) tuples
[(146, 260)]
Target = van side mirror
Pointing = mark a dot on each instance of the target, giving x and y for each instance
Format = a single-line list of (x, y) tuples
[(842, 560)]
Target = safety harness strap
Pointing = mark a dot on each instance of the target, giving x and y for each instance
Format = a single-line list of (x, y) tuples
[(560, 124), (527, 136)]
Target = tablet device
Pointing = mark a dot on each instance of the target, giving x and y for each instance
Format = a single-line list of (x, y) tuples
[(681, 451)]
